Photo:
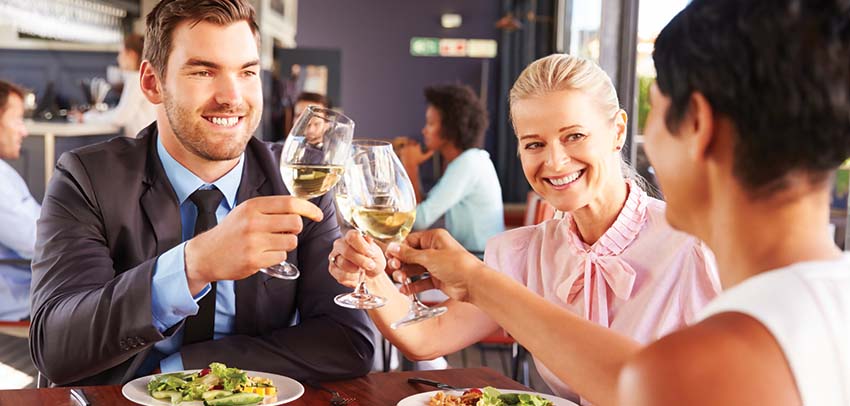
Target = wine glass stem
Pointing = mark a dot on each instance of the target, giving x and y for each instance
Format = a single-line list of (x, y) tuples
[(360, 290), (415, 304)]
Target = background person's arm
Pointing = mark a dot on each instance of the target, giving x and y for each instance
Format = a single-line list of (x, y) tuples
[(450, 189), (411, 156)]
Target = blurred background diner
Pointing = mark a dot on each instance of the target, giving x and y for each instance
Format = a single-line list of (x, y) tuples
[(75, 62)]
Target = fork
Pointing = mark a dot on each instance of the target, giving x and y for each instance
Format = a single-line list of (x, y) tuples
[(336, 398)]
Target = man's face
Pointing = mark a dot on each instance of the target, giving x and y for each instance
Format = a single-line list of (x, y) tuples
[(212, 93), (316, 128), (12, 130)]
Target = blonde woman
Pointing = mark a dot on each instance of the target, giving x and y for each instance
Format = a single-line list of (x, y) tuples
[(612, 259)]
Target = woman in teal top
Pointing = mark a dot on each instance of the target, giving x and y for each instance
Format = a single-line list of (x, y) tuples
[(468, 193)]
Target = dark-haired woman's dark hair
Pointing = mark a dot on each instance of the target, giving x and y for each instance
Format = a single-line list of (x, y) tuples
[(464, 118), (779, 70)]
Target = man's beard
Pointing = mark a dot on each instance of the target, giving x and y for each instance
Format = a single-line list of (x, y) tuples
[(197, 138)]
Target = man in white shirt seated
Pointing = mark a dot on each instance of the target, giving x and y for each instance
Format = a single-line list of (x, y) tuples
[(18, 210), (134, 112)]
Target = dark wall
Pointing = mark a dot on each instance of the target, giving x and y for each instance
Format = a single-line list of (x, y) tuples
[(34, 69), (381, 82)]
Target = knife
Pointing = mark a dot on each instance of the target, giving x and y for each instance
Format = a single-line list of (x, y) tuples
[(438, 385), (80, 397)]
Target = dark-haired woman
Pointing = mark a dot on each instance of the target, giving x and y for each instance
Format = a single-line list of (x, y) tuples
[(468, 193)]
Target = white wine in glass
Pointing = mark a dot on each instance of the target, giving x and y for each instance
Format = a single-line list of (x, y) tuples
[(384, 206), (384, 223), (312, 161), (309, 181)]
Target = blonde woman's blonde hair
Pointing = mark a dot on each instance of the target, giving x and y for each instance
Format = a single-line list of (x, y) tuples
[(559, 72)]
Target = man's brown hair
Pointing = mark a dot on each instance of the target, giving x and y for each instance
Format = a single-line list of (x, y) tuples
[(168, 14), (7, 89)]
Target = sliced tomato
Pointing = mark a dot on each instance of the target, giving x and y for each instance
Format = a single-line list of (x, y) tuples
[(472, 390), (204, 372)]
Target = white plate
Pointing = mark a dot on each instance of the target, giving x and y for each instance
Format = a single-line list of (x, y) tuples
[(421, 399), (288, 389)]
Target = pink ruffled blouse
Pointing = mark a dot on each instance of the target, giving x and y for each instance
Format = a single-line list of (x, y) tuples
[(641, 278)]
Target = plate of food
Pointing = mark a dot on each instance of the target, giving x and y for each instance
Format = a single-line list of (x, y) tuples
[(487, 396), (217, 385)]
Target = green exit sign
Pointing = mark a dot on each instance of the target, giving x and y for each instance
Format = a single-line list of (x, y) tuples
[(421, 46)]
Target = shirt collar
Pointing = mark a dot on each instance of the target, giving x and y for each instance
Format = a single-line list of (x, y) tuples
[(625, 228), (185, 182)]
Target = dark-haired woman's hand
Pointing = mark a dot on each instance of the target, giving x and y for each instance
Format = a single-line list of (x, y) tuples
[(452, 267)]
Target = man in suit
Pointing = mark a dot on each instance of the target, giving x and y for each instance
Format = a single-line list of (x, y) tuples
[(126, 280)]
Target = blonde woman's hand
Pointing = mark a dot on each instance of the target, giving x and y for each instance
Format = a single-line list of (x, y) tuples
[(451, 266), (352, 253)]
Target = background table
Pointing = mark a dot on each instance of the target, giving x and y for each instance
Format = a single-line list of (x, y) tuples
[(375, 389)]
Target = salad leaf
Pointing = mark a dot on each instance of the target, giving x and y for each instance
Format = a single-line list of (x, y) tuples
[(167, 382), (492, 397), (532, 400), (231, 379)]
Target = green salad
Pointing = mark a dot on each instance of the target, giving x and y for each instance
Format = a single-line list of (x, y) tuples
[(492, 397), (217, 385)]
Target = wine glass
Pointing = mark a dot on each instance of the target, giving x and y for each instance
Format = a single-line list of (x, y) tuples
[(312, 162), (383, 205), (360, 298)]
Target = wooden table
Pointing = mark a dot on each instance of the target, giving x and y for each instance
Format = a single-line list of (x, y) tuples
[(375, 389)]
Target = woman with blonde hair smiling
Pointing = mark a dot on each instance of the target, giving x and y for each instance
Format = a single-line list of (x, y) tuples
[(612, 259)]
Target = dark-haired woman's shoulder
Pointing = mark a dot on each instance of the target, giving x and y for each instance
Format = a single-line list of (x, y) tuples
[(728, 359)]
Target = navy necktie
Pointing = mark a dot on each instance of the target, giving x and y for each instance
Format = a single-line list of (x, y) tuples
[(200, 327)]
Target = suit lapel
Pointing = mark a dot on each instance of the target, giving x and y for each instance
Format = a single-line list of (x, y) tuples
[(159, 202)]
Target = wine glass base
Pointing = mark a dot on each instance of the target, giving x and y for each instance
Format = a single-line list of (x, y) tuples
[(421, 314), (360, 301), (284, 270)]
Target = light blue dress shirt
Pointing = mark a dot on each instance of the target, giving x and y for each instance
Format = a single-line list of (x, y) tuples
[(470, 196), (171, 299), (18, 216)]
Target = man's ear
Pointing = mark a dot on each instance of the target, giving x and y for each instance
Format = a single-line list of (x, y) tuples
[(150, 83), (700, 125)]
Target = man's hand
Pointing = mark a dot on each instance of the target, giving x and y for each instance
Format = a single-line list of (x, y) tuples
[(452, 267), (256, 234)]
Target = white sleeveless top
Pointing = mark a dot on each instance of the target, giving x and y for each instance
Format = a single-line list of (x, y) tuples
[(806, 307)]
